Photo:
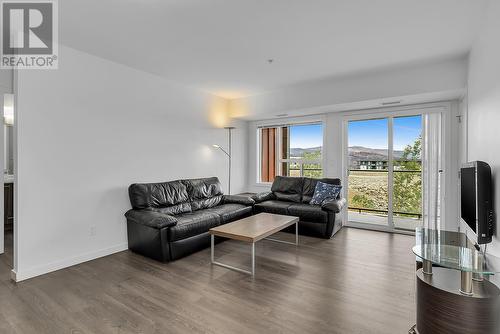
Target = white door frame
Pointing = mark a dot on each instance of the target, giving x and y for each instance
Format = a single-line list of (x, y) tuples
[(390, 113)]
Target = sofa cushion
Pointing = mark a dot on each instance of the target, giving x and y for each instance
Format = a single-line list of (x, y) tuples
[(160, 195), (231, 212), (309, 213), (204, 193), (310, 186), (325, 191), (286, 188), (273, 206), (175, 209), (193, 223)]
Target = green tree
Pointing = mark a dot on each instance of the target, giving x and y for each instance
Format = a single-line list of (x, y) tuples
[(408, 179)]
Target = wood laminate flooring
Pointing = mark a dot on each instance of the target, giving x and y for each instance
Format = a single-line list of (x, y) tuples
[(358, 282), (6, 258)]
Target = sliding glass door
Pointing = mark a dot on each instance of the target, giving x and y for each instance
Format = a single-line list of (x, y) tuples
[(407, 172), (368, 173), (384, 172)]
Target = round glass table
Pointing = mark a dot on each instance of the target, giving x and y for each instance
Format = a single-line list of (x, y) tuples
[(435, 247), (472, 263), (458, 287)]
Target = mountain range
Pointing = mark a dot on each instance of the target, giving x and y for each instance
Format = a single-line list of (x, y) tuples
[(297, 152), (356, 153)]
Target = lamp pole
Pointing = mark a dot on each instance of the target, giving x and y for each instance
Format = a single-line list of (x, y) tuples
[(229, 129)]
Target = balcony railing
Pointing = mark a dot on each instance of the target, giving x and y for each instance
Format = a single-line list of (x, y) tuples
[(361, 210), (305, 171)]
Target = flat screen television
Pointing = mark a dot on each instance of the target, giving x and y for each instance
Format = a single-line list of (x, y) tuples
[(475, 200)]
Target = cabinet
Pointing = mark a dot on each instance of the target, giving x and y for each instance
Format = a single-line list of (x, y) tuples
[(8, 190)]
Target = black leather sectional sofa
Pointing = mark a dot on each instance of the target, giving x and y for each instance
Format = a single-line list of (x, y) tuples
[(291, 196), (170, 220)]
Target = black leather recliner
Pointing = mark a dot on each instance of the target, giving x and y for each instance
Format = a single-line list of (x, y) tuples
[(170, 220), (291, 196)]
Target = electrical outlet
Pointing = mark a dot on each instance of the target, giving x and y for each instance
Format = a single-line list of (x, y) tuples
[(93, 231)]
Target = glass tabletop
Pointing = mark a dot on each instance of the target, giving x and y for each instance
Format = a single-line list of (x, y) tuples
[(454, 257), (449, 252)]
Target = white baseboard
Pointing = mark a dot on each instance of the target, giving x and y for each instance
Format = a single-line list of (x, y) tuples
[(22, 275)]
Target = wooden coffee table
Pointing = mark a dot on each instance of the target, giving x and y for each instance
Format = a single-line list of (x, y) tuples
[(251, 230)]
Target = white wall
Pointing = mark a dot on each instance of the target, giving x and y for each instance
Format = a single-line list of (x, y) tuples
[(6, 80), (484, 105), (445, 77), (88, 130)]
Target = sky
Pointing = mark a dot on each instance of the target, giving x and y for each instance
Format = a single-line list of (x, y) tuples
[(306, 136), (369, 133), (373, 133)]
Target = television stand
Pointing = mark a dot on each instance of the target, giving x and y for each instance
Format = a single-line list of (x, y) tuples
[(442, 308), (453, 292)]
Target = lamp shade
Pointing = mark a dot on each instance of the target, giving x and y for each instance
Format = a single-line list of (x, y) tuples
[(8, 109)]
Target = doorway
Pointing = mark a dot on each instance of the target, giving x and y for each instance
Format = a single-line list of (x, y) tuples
[(388, 162), (7, 195)]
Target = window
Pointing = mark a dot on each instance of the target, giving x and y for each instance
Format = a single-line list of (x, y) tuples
[(291, 150)]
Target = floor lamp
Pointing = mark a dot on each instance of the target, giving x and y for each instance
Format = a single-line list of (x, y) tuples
[(228, 128)]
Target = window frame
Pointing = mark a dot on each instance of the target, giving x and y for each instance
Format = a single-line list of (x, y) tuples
[(279, 148)]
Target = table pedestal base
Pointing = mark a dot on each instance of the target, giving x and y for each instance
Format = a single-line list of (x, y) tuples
[(443, 308)]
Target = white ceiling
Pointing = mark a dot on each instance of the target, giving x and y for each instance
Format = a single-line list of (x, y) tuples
[(222, 46)]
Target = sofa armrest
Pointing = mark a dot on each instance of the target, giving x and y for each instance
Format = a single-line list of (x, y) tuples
[(239, 199), (333, 205), (265, 196), (151, 218)]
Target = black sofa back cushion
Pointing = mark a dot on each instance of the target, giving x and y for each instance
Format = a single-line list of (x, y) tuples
[(310, 185), (287, 188), (167, 197), (204, 193)]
